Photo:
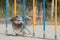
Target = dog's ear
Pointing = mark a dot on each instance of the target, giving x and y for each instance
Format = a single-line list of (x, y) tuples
[(12, 19)]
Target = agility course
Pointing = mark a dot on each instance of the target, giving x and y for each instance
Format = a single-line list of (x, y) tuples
[(43, 27), (34, 14)]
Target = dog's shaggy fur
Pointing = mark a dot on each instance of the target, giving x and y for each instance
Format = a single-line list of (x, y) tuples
[(17, 24)]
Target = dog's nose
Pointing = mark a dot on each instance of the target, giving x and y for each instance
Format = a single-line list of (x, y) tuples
[(18, 20)]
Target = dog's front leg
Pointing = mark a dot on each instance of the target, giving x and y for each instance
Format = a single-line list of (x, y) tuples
[(14, 32)]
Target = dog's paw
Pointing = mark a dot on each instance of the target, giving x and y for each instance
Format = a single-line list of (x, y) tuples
[(14, 34)]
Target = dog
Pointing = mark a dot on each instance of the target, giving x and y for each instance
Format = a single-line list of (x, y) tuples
[(17, 25)]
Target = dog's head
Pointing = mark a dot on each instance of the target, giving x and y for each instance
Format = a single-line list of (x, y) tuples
[(16, 18)]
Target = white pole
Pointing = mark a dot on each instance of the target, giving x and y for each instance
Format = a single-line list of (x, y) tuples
[(52, 9)]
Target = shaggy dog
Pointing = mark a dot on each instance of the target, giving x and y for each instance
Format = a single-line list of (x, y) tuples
[(17, 25)]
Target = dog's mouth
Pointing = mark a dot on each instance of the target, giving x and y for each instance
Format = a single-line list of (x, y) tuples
[(18, 20)]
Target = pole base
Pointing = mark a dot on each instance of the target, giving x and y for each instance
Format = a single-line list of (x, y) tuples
[(6, 32), (44, 36), (33, 34), (55, 37), (23, 34)]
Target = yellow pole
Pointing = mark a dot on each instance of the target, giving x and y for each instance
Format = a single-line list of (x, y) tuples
[(34, 16), (55, 18), (15, 7), (56, 15)]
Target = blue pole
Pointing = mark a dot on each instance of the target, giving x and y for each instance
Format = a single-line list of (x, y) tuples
[(6, 14), (44, 16), (24, 14)]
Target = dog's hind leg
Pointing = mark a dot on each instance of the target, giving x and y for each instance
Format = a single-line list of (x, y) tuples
[(28, 31)]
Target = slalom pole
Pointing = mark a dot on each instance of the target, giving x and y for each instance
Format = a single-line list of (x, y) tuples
[(34, 17), (44, 16), (24, 15), (15, 7), (6, 15), (56, 19), (52, 9)]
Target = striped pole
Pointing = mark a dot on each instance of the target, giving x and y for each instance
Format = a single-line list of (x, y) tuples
[(15, 7), (6, 15), (24, 15), (34, 16), (55, 19), (44, 16)]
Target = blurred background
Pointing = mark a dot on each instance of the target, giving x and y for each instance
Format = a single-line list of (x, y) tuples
[(38, 4)]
